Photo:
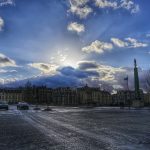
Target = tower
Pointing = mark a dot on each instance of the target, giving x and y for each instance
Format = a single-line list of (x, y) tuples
[(137, 102), (136, 81)]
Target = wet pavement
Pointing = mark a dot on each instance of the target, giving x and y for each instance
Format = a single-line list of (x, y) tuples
[(75, 129)]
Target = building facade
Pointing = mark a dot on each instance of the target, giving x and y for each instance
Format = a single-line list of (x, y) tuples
[(71, 97), (147, 99), (93, 96), (65, 96), (59, 96), (125, 97), (11, 95)]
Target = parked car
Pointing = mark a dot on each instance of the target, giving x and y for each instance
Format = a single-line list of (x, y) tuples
[(23, 106), (4, 105)]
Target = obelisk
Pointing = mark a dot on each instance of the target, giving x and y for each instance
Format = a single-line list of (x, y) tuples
[(137, 102), (136, 81)]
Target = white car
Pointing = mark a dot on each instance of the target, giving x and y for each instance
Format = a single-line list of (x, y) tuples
[(23, 106), (4, 105)]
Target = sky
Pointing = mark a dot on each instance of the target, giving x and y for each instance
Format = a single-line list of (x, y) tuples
[(74, 42)]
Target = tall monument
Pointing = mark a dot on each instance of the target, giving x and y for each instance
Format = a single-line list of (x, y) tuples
[(136, 81), (137, 102)]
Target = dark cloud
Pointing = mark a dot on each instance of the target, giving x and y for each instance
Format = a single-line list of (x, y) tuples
[(49, 81), (44, 66), (69, 71), (6, 61), (87, 65)]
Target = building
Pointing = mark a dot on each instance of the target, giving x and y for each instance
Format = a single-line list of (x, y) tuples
[(11, 95), (138, 101), (130, 98), (125, 97), (65, 97), (93, 96), (147, 99), (60, 96)]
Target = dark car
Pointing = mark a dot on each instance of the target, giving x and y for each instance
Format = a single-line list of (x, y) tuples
[(4, 105), (23, 106)]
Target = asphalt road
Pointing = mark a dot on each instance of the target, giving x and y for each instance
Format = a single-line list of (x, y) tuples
[(75, 129)]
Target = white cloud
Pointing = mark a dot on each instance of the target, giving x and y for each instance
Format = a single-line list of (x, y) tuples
[(6, 61), (130, 5), (106, 3), (128, 43), (6, 2), (81, 12), (1, 24), (108, 73), (45, 68), (135, 44), (78, 2), (7, 71), (76, 27), (125, 4), (82, 9), (79, 8), (98, 47), (119, 43)]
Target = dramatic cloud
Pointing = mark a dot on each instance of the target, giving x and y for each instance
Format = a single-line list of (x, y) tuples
[(6, 61), (109, 78), (107, 73), (1, 24), (76, 27), (70, 71), (92, 71), (49, 81), (88, 72), (44, 67), (98, 47), (79, 8), (125, 4), (6, 2)]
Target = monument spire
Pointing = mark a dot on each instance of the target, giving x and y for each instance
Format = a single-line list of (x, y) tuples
[(135, 64), (136, 81)]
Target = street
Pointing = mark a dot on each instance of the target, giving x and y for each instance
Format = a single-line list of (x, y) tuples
[(75, 129)]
